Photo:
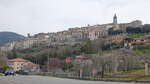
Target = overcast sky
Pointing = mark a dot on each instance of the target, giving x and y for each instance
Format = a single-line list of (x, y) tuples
[(35, 16)]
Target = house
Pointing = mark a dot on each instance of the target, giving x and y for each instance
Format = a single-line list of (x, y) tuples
[(22, 64), (144, 40)]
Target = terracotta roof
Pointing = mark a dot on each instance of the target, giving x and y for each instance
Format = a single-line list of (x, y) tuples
[(18, 60)]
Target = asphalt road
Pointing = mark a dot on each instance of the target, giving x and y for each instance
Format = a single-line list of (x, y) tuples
[(47, 80)]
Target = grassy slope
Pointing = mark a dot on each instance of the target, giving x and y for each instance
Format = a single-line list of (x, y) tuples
[(140, 71)]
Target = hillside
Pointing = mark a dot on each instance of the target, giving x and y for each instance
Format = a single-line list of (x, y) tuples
[(6, 37), (104, 46)]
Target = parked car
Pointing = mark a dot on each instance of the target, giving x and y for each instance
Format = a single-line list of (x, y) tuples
[(9, 72)]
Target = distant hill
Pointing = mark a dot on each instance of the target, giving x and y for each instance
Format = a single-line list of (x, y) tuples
[(6, 37)]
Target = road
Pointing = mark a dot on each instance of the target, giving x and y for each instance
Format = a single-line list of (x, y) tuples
[(47, 80)]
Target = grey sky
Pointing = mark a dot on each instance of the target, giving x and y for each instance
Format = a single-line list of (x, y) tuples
[(35, 16)]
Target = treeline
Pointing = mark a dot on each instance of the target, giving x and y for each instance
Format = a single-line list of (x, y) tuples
[(3, 62), (114, 32), (143, 29), (130, 30)]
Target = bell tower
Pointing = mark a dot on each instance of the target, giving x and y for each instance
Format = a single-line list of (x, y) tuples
[(28, 35), (115, 23), (115, 19)]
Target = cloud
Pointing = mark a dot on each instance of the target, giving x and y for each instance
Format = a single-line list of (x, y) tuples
[(34, 16)]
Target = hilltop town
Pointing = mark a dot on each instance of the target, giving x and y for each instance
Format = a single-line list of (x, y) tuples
[(72, 35)]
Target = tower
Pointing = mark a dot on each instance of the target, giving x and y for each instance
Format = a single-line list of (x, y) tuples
[(115, 23), (28, 35), (115, 19)]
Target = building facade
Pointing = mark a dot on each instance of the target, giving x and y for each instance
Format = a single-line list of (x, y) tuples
[(22, 64)]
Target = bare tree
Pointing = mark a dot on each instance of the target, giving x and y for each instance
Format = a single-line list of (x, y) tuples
[(3, 59)]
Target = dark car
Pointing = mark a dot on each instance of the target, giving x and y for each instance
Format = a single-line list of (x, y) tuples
[(9, 72)]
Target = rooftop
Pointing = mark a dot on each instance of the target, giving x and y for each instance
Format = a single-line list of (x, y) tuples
[(18, 60)]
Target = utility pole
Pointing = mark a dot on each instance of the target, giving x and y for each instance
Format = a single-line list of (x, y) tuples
[(146, 69), (48, 62), (48, 58), (38, 57)]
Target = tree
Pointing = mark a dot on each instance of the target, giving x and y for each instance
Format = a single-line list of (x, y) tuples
[(103, 63), (3, 60), (12, 54), (54, 64), (88, 47), (111, 31), (132, 30), (146, 28)]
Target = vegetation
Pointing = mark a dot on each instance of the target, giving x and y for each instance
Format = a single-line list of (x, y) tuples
[(3, 59), (138, 71), (22, 72), (141, 49), (114, 32), (110, 46), (88, 48), (132, 31), (3, 62), (143, 29)]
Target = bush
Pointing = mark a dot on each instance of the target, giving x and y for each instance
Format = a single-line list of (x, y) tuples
[(110, 46), (22, 72), (3, 69)]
